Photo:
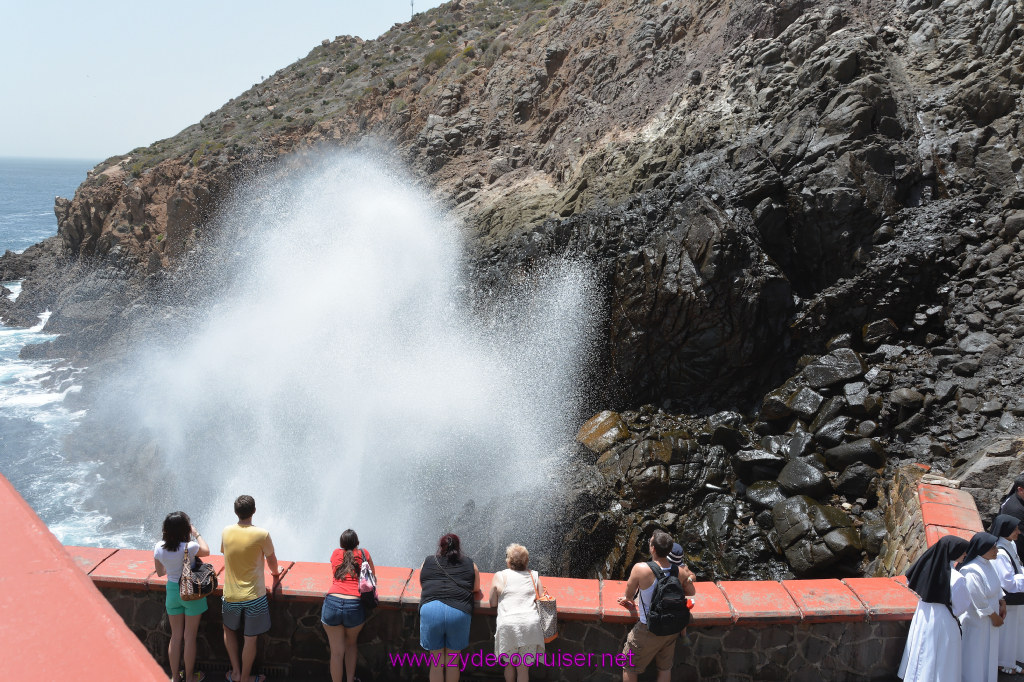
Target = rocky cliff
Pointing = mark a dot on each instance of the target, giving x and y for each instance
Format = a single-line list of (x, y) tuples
[(805, 217)]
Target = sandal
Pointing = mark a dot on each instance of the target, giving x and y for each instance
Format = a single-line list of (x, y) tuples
[(1015, 670)]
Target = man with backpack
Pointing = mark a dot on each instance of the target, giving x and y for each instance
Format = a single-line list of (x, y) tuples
[(661, 590)]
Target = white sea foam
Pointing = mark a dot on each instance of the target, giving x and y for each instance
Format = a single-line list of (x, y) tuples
[(345, 378)]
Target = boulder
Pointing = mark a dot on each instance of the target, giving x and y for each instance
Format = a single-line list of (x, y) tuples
[(806, 532), (856, 480), (757, 465), (833, 432), (977, 342), (602, 431), (872, 534), (842, 364), (867, 450), (878, 331), (805, 402), (764, 494), (907, 397), (799, 477)]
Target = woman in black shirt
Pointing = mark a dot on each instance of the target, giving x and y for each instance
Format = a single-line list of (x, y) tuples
[(449, 582)]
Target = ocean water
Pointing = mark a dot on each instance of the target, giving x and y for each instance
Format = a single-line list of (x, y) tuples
[(27, 191), (33, 419)]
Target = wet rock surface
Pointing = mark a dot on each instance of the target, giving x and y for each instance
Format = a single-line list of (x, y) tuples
[(805, 222)]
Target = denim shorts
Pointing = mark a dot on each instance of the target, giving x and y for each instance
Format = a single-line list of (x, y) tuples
[(348, 613), (443, 627)]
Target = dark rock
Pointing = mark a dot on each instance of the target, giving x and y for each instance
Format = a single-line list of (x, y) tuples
[(764, 494), (757, 465), (944, 390), (805, 402), (967, 404), (872, 534), (802, 526), (878, 331), (990, 407), (977, 342), (856, 480), (907, 397), (867, 450), (833, 432), (650, 485), (842, 364), (844, 340), (799, 444), (845, 543), (866, 429), (830, 409), (966, 368), (800, 478)]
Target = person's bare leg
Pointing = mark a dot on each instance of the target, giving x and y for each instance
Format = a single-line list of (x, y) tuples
[(510, 674), (665, 675), (177, 622), (438, 658), (231, 644), (628, 676), (523, 673), (191, 631), (248, 657), (336, 638), (351, 650), (451, 674)]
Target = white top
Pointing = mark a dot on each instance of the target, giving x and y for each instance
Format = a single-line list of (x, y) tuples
[(516, 593), (518, 625), (171, 561), (1009, 579), (984, 588)]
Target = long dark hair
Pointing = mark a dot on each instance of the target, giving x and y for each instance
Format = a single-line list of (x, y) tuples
[(450, 548), (177, 530), (348, 542)]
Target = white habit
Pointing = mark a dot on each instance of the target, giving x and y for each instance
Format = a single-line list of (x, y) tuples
[(981, 639), (932, 653), (1010, 649)]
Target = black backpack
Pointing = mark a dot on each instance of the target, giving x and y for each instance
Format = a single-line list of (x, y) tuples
[(668, 612)]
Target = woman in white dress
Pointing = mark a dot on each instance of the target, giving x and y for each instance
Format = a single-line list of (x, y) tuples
[(981, 640), (518, 636), (932, 653), (1011, 578)]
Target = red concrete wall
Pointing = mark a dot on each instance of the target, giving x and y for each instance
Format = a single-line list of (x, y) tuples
[(54, 623)]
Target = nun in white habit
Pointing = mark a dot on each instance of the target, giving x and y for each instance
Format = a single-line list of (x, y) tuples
[(1011, 578), (985, 614), (932, 653)]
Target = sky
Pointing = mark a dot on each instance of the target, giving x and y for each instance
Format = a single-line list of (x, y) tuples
[(88, 80)]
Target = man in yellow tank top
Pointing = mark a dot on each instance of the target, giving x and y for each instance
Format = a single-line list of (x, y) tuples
[(244, 547)]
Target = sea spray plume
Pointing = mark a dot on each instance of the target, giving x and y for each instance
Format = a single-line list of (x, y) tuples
[(343, 377)]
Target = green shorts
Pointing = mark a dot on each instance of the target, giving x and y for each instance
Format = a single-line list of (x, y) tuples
[(175, 606)]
